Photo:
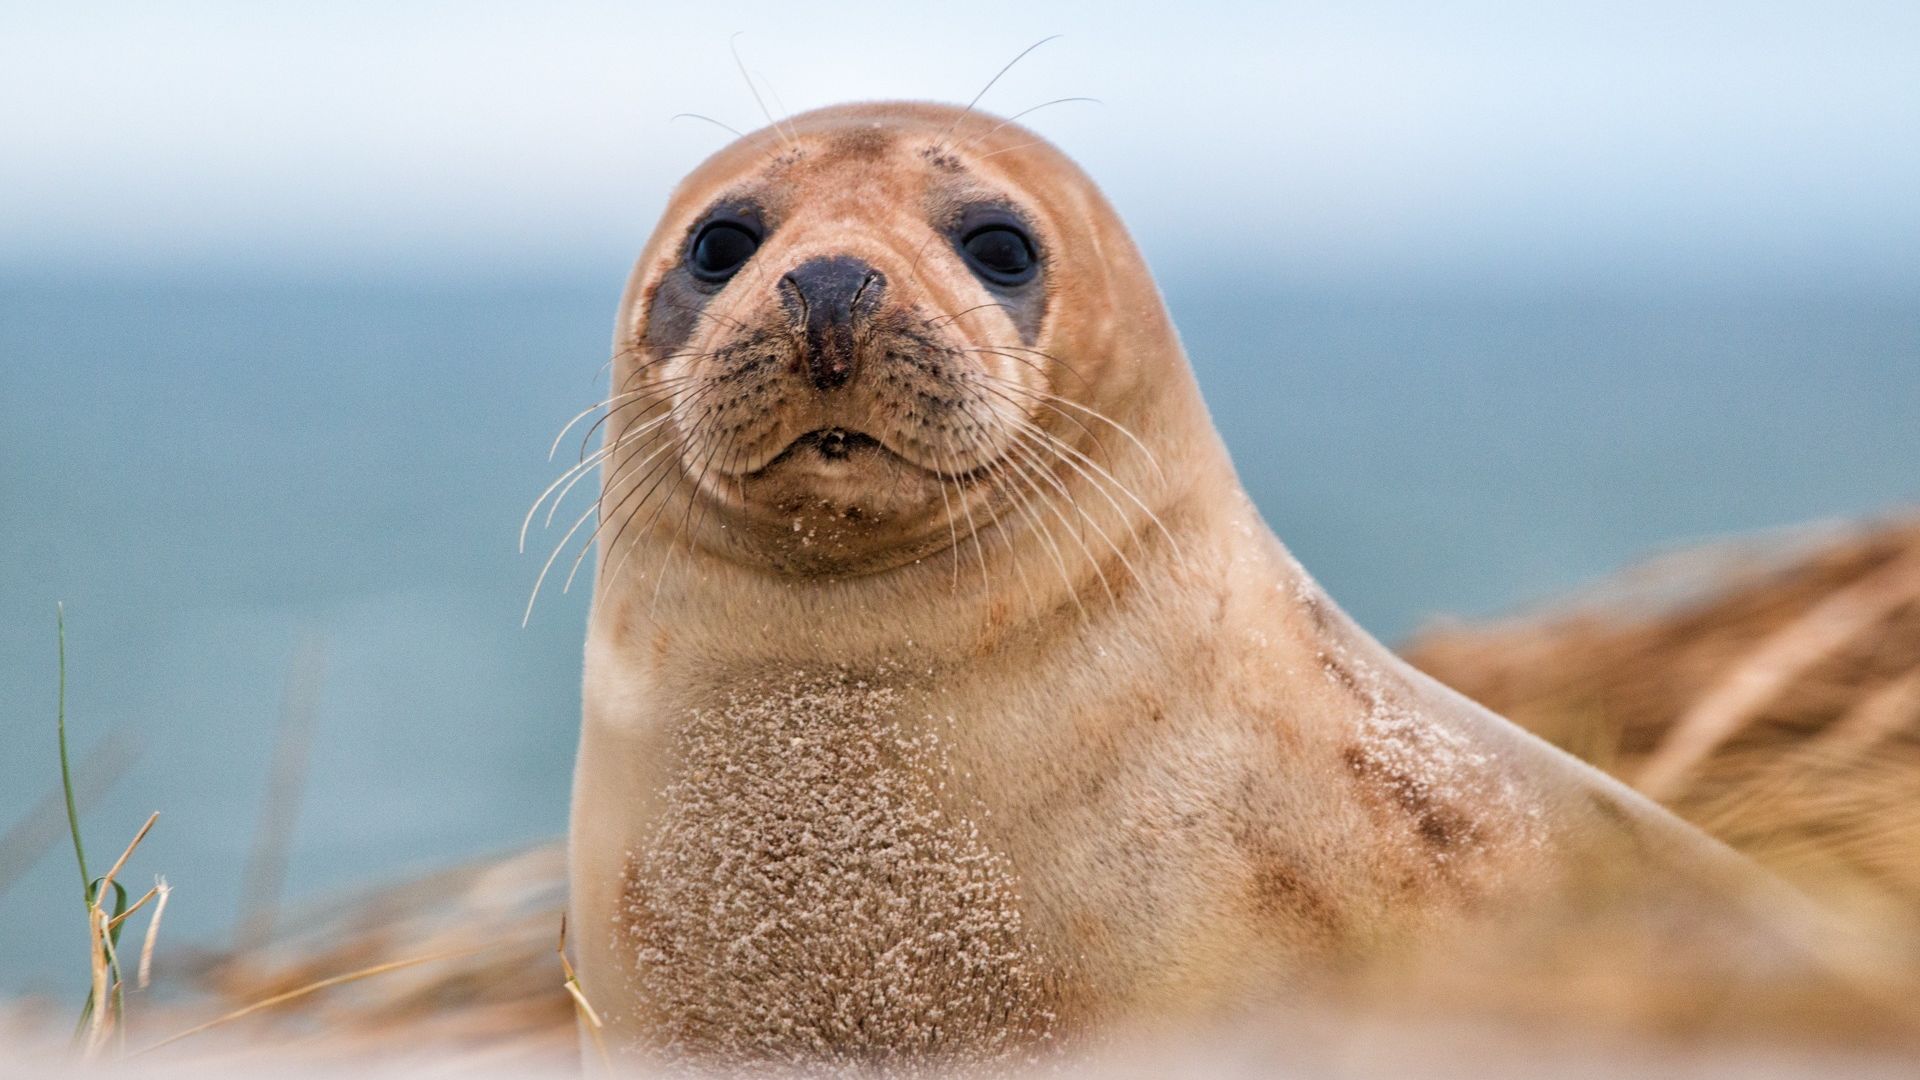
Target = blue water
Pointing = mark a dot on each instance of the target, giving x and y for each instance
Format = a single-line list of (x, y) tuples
[(216, 477)]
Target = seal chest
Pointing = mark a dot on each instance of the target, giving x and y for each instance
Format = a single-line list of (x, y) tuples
[(810, 895)]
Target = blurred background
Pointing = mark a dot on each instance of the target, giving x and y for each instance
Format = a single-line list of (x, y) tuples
[(1488, 299)]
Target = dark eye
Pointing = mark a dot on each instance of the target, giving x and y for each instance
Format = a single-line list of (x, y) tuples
[(1001, 254), (720, 249)]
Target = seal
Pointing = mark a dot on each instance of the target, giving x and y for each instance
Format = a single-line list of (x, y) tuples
[(946, 700)]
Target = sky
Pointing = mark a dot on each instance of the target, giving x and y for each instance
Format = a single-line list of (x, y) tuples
[(1650, 144)]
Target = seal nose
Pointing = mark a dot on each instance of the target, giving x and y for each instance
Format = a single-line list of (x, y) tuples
[(829, 296)]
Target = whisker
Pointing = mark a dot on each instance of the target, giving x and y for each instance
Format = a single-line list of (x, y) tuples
[(639, 433), (659, 391), (686, 522), (1133, 497), (552, 558), (733, 46), (660, 454), (598, 405), (1040, 526), (1008, 350), (1015, 473), (973, 531), (944, 320), (664, 469), (1036, 470), (1095, 414), (968, 111), (698, 116), (1009, 149), (1030, 109), (570, 477), (1030, 432), (698, 397)]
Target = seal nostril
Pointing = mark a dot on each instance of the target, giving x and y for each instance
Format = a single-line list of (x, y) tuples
[(873, 276), (792, 285)]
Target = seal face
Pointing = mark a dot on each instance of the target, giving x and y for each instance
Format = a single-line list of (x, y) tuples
[(946, 699), (840, 347)]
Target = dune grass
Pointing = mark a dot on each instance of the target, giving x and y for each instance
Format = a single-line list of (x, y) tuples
[(102, 1018)]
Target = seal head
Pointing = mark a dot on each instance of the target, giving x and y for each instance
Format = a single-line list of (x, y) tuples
[(846, 340)]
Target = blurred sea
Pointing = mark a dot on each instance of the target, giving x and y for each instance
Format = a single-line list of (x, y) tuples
[(214, 477)]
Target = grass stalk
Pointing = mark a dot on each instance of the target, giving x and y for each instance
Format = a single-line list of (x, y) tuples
[(66, 769), (102, 1016)]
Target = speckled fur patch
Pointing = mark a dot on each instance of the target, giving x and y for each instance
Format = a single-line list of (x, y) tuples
[(808, 904), (1459, 805)]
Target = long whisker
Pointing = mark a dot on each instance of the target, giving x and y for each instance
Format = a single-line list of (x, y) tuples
[(664, 469), (973, 531), (698, 397), (1030, 109), (687, 524), (569, 478), (574, 472), (1101, 470), (1008, 149), (638, 432), (552, 558), (1036, 470), (659, 456), (1095, 414), (1010, 351), (582, 415), (968, 111), (605, 403), (663, 453), (1092, 436), (1019, 495), (1043, 440), (1040, 527), (660, 389), (698, 116), (944, 320), (733, 46)]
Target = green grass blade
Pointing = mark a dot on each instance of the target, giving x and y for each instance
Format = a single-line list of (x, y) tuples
[(66, 770)]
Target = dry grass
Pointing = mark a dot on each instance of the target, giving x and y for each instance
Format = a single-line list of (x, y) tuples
[(1779, 711)]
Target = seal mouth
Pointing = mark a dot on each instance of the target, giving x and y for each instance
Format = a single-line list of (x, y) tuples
[(842, 452), (835, 443), (831, 444)]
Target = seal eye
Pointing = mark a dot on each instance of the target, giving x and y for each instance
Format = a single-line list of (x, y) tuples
[(721, 248), (1001, 254)]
